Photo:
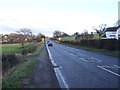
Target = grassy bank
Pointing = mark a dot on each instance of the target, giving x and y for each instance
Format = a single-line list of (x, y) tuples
[(38, 50), (20, 71)]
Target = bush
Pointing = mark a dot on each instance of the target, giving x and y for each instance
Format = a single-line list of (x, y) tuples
[(8, 61), (27, 50), (9, 42), (24, 51)]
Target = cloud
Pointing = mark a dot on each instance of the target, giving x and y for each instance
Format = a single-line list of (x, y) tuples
[(4, 29), (46, 19)]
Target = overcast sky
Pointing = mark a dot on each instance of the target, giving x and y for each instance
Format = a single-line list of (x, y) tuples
[(46, 16)]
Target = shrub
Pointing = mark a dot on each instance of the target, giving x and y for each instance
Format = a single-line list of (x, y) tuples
[(27, 50), (8, 61), (24, 51)]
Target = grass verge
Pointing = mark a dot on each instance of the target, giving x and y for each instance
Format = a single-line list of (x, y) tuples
[(83, 47), (22, 70)]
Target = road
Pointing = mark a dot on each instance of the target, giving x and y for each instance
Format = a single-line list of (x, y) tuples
[(83, 69)]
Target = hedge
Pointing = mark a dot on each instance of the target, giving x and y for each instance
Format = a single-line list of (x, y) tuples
[(108, 44)]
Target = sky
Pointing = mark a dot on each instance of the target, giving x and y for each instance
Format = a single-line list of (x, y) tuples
[(46, 16)]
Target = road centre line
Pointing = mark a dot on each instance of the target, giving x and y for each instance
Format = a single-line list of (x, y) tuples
[(108, 70), (72, 54), (65, 51), (116, 66), (83, 59), (101, 67), (75, 55)]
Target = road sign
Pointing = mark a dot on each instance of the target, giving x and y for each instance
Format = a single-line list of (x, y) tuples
[(43, 39)]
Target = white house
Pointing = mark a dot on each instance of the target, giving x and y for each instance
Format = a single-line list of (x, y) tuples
[(112, 33), (118, 33)]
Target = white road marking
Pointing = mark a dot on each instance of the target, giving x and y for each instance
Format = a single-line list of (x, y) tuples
[(53, 63), (57, 71), (108, 70), (116, 66), (83, 59), (50, 56), (108, 66), (72, 54), (93, 60), (75, 55), (60, 77), (65, 51)]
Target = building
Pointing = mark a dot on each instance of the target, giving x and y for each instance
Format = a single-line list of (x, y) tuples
[(112, 33), (118, 33)]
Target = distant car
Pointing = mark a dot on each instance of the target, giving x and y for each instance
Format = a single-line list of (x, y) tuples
[(50, 44)]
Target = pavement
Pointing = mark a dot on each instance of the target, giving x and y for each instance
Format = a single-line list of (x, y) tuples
[(77, 68)]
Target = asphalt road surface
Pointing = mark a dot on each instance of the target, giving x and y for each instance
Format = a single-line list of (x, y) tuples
[(84, 69)]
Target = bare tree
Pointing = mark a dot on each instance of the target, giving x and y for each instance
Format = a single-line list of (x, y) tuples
[(100, 29), (39, 37), (57, 33), (25, 33), (63, 34), (76, 33)]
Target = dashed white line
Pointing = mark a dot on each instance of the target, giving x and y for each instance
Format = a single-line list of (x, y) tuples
[(72, 54), (65, 51), (83, 59), (116, 66), (108, 70)]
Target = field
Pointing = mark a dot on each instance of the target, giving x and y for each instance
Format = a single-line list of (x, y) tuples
[(68, 38), (71, 38), (13, 48)]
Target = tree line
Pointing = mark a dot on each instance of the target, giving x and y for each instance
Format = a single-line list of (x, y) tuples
[(21, 36), (100, 30)]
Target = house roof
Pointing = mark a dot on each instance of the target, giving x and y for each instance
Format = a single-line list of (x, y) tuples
[(112, 28)]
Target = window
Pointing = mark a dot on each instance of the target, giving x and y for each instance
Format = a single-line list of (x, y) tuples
[(119, 36), (112, 35)]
